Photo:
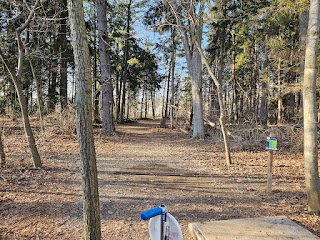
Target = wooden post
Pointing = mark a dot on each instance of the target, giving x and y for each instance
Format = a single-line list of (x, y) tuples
[(272, 144), (269, 178)]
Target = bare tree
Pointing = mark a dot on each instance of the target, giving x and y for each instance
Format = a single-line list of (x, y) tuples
[(194, 55), (38, 84), (16, 78), (83, 105), (124, 76), (63, 59), (221, 105), (310, 110), (173, 62), (192, 33), (264, 89), (105, 69)]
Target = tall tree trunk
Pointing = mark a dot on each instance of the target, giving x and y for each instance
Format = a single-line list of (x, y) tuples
[(142, 100), (52, 98), (218, 84), (173, 62), (310, 110), (83, 105), (105, 69), (2, 154), (194, 62), (234, 81), (38, 84), (222, 35), (129, 101), (39, 95), (96, 90), (145, 104), (168, 92), (125, 63), (118, 91), (74, 88), (64, 55), (303, 28), (220, 67), (164, 98), (254, 81), (291, 79), (279, 97), (153, 103), (195, 66), (264, 91)]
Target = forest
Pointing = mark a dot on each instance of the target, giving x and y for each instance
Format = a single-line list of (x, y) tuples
[(127, 97)]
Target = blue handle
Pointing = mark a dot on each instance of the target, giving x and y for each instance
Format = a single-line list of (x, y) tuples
[(151, 213)]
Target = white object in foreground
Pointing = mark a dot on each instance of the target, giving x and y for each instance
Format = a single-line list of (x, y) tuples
[(171, 228)]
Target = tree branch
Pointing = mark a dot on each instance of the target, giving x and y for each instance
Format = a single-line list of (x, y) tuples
[(19, 39), (6, 64), (27, 22), (186, 44)]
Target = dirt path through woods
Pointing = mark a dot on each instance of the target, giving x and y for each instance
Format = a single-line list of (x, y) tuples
[(141, 167)]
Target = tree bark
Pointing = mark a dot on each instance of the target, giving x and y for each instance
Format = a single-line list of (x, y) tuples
[(125, 64), (264, 91), (254, 80), (234, 82), (153, 103), (145, 103), (52, 91), (64, 54), (83, 106), (39, 95), (96, 91), (118, 90), (37, 82), (279, 97), (303, 28), (310, 110), (167, 92), (105, 69), (195, 66), (142, 100), (194, 63), (2, 154), (173, 62), (222, 35)]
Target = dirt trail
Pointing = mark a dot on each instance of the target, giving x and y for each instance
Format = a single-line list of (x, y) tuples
[(141, 167)]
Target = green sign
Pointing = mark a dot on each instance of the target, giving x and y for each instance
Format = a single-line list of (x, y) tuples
[(272, 143)]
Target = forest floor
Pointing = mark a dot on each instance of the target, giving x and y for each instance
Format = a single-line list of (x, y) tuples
[(142, 166)]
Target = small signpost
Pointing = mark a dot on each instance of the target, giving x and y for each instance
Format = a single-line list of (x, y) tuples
[(271, 145)]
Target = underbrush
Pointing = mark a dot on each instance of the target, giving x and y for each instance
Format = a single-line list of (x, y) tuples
[(62, 122), (243, 137), (252, 137)]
